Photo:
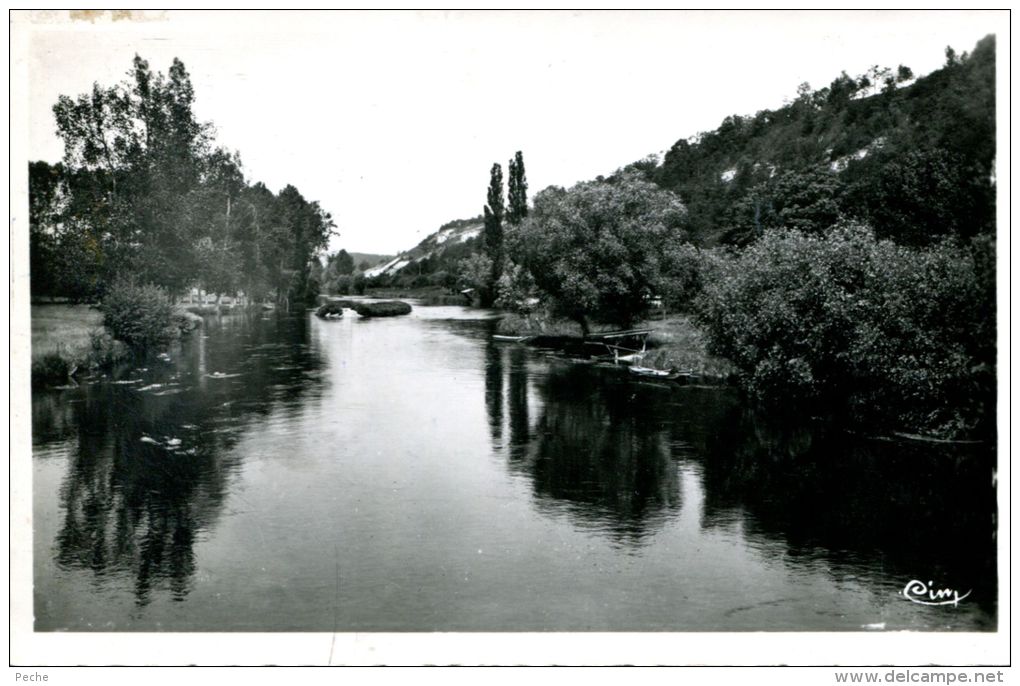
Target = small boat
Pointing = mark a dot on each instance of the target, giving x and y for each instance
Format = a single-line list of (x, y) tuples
[(511, 339), (649, 373)]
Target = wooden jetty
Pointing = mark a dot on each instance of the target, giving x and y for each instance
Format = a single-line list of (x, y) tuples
[(619, 346)]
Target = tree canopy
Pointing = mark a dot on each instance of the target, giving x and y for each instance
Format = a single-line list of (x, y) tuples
[(143, 192), (595, 249)]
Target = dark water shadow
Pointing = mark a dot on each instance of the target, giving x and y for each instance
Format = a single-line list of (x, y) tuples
[(892, 511), (151, 464), (608, 452)]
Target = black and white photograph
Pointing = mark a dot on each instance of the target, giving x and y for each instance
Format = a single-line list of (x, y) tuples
[(509, 337)]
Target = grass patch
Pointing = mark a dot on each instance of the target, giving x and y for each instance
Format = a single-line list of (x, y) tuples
[(678, 342), (62, 328), (67, 339)]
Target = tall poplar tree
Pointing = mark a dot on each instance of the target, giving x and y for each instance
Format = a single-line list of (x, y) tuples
[(517, 191), (493, 235)]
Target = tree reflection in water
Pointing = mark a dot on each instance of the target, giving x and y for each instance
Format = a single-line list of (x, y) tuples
[(607, 451), (149, 473), (906, 508), (594, 452), (494, 390)]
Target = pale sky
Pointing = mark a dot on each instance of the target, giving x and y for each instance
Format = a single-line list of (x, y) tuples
[(392, 120)]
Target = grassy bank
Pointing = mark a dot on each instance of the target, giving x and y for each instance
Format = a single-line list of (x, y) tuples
[(676, 341), (62, 328), (68, 339)]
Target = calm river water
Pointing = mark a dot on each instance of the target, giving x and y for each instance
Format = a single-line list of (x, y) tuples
[(286, 473)]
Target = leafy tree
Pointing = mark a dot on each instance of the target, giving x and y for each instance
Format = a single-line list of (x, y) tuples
[(685, 271), (303, 229), (475, 272), (517, 190), (144, 193), (214, 211), (595, 250), (807, 200), (43, 223), (516, 290), (344, 263), (338, 264), (924, 194), (143, 149)]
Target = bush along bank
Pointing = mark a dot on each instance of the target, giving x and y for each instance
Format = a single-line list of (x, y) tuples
[(677, 342), (67, 362), (890, 336), (839, 324), (386, 308), (334, 308)]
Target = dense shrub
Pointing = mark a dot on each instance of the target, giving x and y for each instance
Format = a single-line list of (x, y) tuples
[(891, 333), (516, 290), (343, 284), (104, 350), (140, 315), (685, 269), (383, 308), (474, 272)]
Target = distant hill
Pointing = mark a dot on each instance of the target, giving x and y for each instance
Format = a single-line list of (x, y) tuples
[(371, 258), (439, 251), (912, 157)]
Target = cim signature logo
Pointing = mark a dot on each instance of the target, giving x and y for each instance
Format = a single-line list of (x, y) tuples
[(926, 594)]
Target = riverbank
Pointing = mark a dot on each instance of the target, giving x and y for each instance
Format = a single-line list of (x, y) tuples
[(61, 327), (67, 339), (676, 342)]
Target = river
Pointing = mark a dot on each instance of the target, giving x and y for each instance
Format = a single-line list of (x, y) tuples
[(284, 473)]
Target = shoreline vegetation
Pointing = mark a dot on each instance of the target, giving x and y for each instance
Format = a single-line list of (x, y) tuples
[(834, 257), (70, 340), (365, 308), (676, 342)]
